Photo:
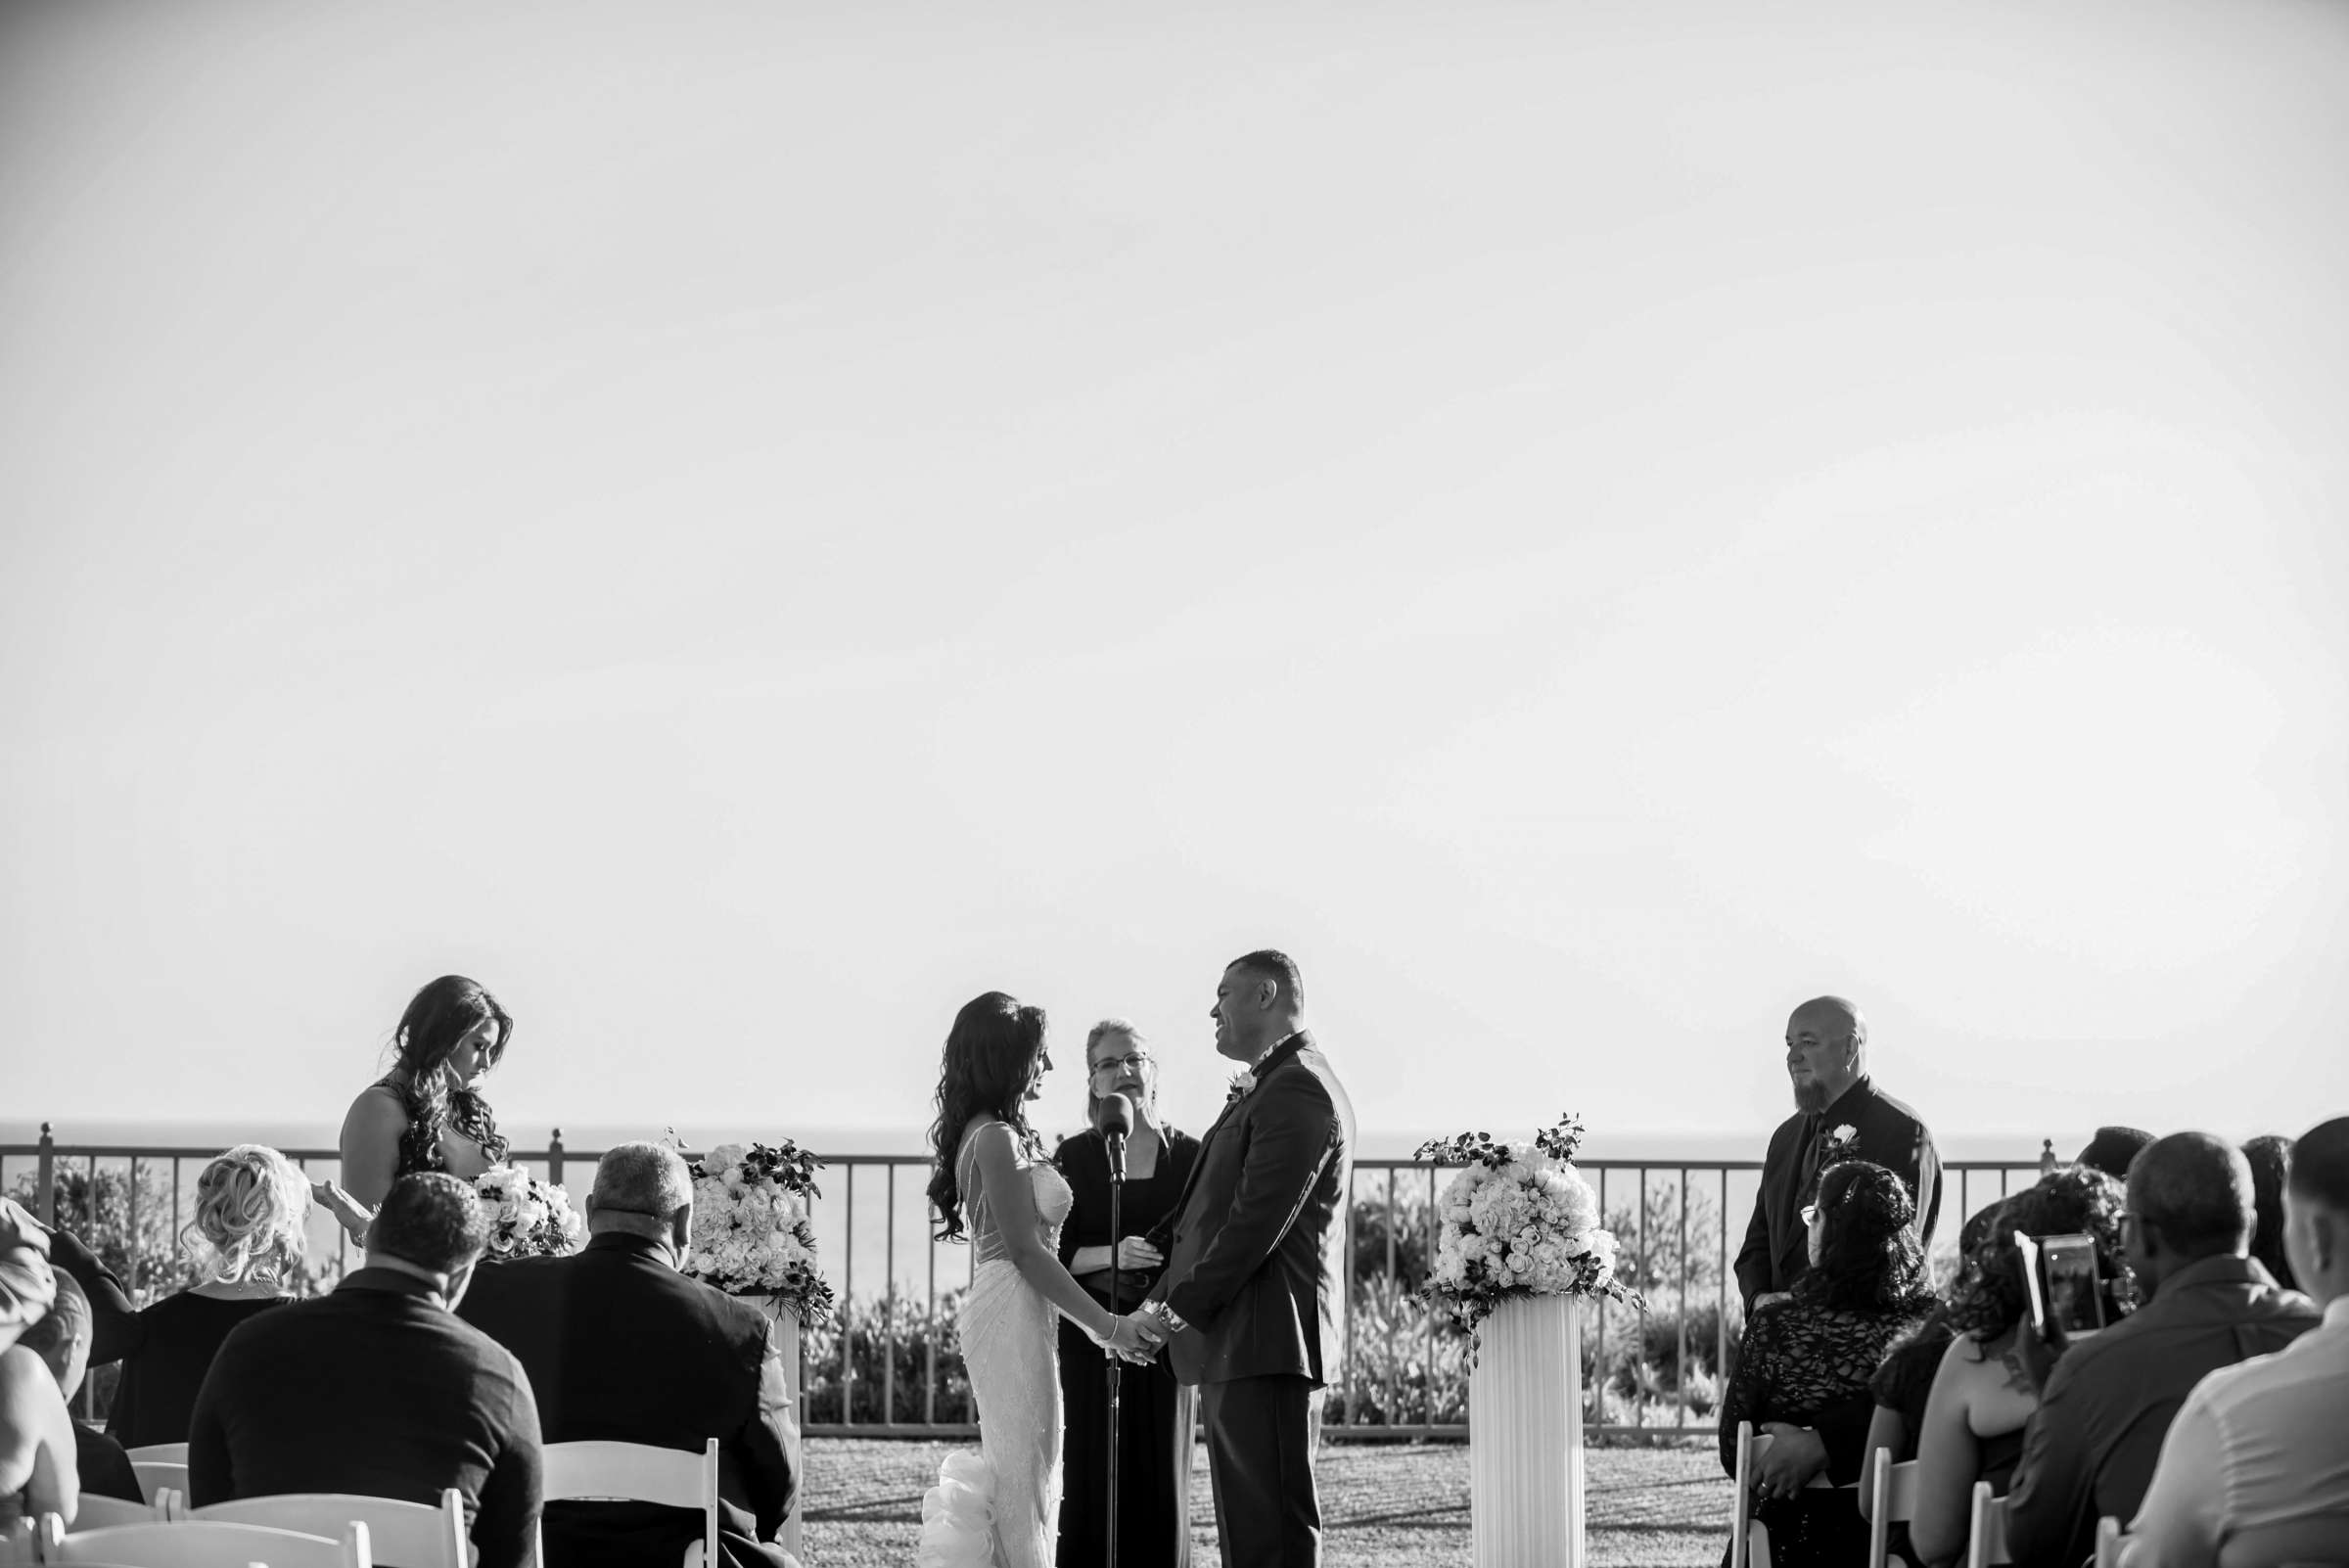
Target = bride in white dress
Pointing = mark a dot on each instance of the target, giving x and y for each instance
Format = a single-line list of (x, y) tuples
[(1000, 1507)]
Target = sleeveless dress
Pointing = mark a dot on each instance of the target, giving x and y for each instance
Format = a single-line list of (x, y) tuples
[(1000, 1507)]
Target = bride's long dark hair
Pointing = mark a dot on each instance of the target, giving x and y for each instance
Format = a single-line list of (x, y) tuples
[(990, 1056)]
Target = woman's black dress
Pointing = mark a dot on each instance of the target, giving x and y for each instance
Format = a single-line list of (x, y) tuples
[(1154, 1424), (1809, 1365), (164, 1349)]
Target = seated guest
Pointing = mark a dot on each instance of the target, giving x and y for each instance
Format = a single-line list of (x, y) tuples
[(2091, 1445), (2270, 1158), (2112, 1149), (1839, 1114), (1982, 1393), (621, 1347), (1904, 1382), (379, 1389), (62, 1340), (2258, 1457), (27, 1284), (1802, 1373), (247, 1243)]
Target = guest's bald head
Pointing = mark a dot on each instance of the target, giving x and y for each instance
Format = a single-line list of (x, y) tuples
[(2316, 1205), (2192, 1191)]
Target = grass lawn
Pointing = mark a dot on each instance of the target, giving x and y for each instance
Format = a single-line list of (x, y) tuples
[(1383, 1505)]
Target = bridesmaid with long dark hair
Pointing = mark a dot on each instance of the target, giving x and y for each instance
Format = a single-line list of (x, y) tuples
[(429, 1113), (1155, 1412)]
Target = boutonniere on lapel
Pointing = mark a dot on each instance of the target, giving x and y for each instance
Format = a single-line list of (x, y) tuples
[(1840, 1145), (1242, 1081)]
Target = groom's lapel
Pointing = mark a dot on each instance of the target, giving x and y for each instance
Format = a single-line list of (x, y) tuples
[(1280, 1055)]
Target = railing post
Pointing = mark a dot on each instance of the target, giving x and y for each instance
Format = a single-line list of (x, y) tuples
[(44, 1180), (554, 1159)]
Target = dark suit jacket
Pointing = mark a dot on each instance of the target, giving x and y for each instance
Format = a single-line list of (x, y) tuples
[(620, 1346), (377, 1389), (105, 1467), (1247, 1248), (2091, 1445), (1886, 1133)]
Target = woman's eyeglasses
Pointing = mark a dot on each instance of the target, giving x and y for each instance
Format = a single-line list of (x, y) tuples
[(1139, 1061)]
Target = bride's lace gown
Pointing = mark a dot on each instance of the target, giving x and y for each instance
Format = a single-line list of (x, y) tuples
[(1010, 1348)]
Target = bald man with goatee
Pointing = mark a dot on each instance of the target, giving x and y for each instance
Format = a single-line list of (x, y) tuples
[(1839, 1114)]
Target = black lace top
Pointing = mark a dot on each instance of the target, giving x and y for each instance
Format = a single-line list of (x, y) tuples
[(461, 1111), (1810, 1365)]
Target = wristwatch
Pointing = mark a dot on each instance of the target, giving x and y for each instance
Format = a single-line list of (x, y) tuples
[(1166, 1315)]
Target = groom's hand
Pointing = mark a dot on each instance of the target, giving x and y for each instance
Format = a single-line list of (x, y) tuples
[(1137, 1337)]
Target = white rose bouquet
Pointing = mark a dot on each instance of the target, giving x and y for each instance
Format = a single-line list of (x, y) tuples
[(1518, 1220), (752, 1236), (528, 1217)]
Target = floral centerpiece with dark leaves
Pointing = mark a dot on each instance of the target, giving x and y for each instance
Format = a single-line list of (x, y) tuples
[(752, 1234), (1518, 1220)]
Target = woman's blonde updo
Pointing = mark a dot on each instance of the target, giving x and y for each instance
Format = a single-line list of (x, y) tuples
[(252, 1208)]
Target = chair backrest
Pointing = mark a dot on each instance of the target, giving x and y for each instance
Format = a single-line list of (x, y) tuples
[(2319, 1542), (400, 1535), (160, 1453), (1986, 1531), (1750, 1450), (636, 1472), (1891, 1500), (157, 1474), (97, 1512), (212, 1544), (2108, 1543)]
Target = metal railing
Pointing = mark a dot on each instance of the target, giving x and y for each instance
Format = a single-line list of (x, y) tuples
[(1404, 1370)]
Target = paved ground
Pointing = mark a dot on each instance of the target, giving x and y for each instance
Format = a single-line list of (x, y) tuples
[(1385, 1506)]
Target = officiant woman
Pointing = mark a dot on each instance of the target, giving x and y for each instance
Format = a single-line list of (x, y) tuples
[(1154, 1448)]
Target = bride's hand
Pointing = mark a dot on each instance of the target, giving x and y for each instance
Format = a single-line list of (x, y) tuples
[(1134, 1337)]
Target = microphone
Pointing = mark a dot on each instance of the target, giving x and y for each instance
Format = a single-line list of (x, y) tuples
[(1114, 1116)]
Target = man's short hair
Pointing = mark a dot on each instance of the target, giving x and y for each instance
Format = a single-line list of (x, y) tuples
[(1275, 966), (644, 1178), (2321, 1166), (2112, 1148), (64, 1327), (2195, 1188), (431, 1220)]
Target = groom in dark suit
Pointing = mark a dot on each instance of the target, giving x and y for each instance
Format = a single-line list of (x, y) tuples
[(1839, 1114), (1247, 1296)]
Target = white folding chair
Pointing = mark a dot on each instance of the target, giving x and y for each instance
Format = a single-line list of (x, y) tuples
[(94, 1511), (1986, 1529), (155, 1475), (637, 1472), (1891, 1501), (211, 1545), (400, 1535), (160, 1453), (1749, 1537), (2108, 1543)]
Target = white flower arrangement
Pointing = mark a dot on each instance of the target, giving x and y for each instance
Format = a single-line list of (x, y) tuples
[(1519, 1221), (752, 1234), (1839, 1144), (528, 1217), (1243, 1082)]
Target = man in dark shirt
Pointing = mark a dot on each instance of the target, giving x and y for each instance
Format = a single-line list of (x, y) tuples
[(62, 1340), (2107, 1403), (621, 1347), (1839, 1114), (379, 1389)]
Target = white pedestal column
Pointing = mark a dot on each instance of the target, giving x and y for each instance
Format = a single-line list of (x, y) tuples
[(787, 1340), (1525, 1436)]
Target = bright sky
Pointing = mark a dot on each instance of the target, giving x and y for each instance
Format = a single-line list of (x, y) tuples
[(742, 527)]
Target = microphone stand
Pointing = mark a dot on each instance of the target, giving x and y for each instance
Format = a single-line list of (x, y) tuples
[(1117, 1366)]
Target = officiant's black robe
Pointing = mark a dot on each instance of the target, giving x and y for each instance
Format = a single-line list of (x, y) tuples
[(1885, 1132)]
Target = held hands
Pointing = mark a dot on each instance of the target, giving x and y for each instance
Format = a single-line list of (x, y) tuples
[(1794, 1457), (1134, 1337)]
